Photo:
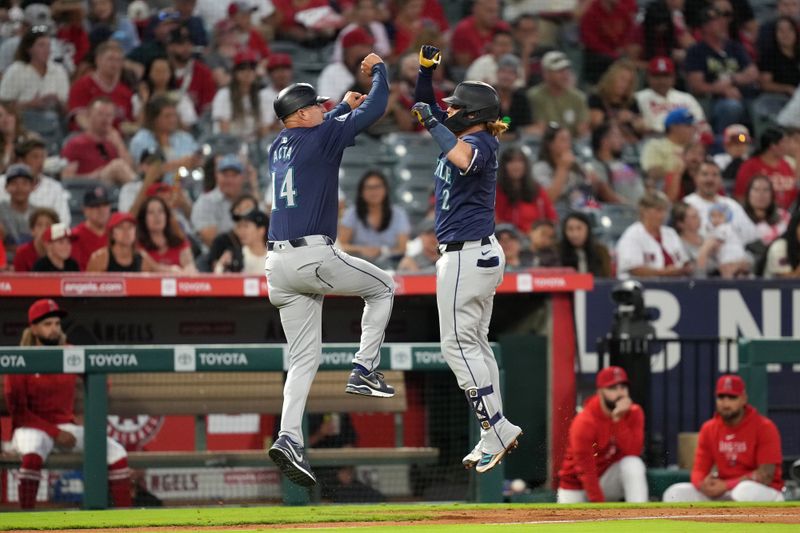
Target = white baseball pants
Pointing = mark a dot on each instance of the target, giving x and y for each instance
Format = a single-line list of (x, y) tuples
[(624, 480), (36, 441), (298, 280), (745, 491)]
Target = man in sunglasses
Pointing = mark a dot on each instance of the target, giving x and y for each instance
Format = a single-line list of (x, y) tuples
[(738, 454)]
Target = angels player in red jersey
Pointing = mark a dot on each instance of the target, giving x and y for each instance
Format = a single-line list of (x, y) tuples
[(738, 454), (42, 414), (602, 462)]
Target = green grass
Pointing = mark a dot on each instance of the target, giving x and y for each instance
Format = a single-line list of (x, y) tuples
[(238, 516)]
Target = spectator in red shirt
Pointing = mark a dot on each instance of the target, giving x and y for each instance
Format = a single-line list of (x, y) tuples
[(99, 153), (471, 37), (159, 235), (769, 160), (605, 441), (106, 80), (290, 16), (738, 454), (70, 15), (608, 33), (192, 77), (92, 233), (240, 13), (520, 199), (30, 252), (43, 415)]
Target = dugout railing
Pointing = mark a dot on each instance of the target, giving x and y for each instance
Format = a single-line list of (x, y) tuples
[(182, 389)]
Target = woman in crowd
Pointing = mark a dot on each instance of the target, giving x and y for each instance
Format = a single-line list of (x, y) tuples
[(236, 108), (686, 221), (664, 31), (159, 80), (520, 199), (558, 171), (104, 13), (121, 254), (783, 257), (251, 231), (158, 234), (614, 99), (32, 80), (373, 228), (760, 206), (779, 64), (578, 249)]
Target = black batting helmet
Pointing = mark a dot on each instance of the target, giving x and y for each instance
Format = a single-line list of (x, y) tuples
[(296, 96), (478, 103)]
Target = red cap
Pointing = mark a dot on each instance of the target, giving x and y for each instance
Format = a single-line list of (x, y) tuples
[(661, 65), (278, 60), (120, 217), (245, 56), (357, 36), (240, 5), (730, 384), (58, 231), (157, 187), (41, 309), (608, 377)]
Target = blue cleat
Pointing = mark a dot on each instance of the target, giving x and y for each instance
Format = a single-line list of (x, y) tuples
[(371, 384), (292, 461)]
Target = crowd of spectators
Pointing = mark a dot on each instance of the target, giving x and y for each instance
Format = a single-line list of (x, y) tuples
[(685, 113)]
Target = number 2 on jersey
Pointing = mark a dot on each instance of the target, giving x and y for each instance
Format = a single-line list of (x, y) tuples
[(446, 199), (287, 190)]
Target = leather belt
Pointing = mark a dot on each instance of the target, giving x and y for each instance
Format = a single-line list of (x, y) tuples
[(459, 245), (296, 243)]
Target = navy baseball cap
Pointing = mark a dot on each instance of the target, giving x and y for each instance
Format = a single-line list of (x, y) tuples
[(678, 116), (96, 197), (18, 170), (230, 162)]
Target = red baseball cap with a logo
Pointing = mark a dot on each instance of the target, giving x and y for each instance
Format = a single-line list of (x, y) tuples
[(44, 308), (608, 377), (661, 65), (730, 384)]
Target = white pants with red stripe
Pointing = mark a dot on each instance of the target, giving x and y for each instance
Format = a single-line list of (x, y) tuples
[(745, 491), (624, 480)]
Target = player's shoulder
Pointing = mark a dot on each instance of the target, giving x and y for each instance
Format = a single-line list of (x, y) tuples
[(481, 139)]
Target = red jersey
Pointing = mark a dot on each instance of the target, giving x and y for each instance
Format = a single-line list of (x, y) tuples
[(523, 214), (88, 243), (200, 85), (90, 153), (738, 450), (606, 31), (595, 442), (468, 39), (172, 256), (40, 401), (24, 257), (783, 179), (257, 44), (78, 38), (86, 89)]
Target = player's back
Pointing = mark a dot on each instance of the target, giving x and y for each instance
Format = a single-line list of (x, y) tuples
[(304, 170)]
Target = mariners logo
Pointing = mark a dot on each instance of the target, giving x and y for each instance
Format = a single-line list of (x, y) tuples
[(134, 432)]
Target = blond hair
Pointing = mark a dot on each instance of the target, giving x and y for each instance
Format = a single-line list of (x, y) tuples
[(606, 84), (29, 339), (497, 127)]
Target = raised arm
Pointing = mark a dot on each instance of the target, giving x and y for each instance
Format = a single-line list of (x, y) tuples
[(429, 59), (372, 108)]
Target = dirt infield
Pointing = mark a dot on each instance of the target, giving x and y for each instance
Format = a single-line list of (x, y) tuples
[(527, 515)]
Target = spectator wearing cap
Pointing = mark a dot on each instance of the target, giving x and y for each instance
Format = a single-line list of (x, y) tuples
[(27, 254), (236, 109), (92, 233), (211, 214), (511, 241), (520, 200), (157, 44), (719, 67), (607, 164), (159, 80), (578, 248), (604, 446), (608, 32), (738, 455), (484, 68), (33, 80), (514, 107), (613, 99), (99, 152), (57, 240), (770, 160), (281, 75), (104, 81), (737, 144), (661, 97), (36, 14), (47, 192), (649, 248), (309, 22), (336, 78), (424, 260), (103, 13), (185, 17), (192, 77), (162, 134), (16, 211), (472, 35), (663, 156), (367, 15), (251, 230), (556, 99), (70, 18), (240, 12), (121, 254), (160, 236)]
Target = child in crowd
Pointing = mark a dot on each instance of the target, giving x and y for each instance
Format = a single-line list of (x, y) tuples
[(731, 256)]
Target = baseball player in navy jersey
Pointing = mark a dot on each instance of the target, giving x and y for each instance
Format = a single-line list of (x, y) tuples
[(303, 265), (472, 262)]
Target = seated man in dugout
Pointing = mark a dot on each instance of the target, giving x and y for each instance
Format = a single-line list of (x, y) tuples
[(738, 454)]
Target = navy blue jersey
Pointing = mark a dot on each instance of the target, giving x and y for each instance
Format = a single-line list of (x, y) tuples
[(465, 200)]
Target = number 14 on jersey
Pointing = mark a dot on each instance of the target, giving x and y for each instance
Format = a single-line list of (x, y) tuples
[(286, 189)]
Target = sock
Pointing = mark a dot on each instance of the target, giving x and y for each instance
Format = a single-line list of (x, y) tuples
[(30, 473), (119, 484), (361, 369)]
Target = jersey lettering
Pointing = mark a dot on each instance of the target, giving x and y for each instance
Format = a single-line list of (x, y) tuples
[(287, 189), (443, 172)]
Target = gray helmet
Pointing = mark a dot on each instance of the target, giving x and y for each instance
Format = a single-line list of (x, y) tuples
[(478, 103), (294, 97)]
